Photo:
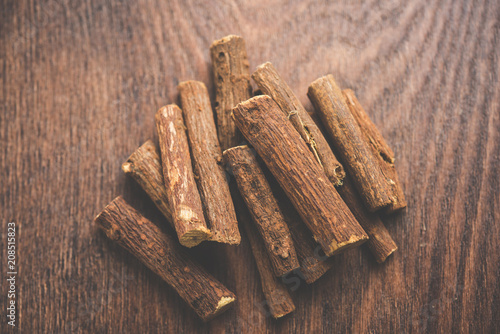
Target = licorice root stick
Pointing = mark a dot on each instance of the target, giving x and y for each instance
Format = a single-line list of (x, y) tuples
[(207, 162), (271, 83), (232, 85), (144, 165), (288, 158), (160, 253), (380, 149), (264, 209), (347, 138), (183, 196), (277, 296)]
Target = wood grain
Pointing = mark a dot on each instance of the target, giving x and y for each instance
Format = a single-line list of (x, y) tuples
[(80, 83)]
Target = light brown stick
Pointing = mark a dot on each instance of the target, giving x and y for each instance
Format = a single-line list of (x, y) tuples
[(232, 85), (271, 83), (207, 162), (183, 196), (264, 209), (288, 158), (380, 149), (144, 166), (349, 142), (160, 253), (277, 296)]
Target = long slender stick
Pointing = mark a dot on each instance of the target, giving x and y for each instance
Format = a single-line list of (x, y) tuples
[(349, 142), (207, 162), (160, 253), (380, 149), (288, 158), (183, 196), (232, 85), (277, 296), (271, 83), (264, 209)]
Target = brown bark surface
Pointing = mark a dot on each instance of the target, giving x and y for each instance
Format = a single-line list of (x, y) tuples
[(232, 85), (349, 142), (382, 152), (160, 253), (277, 296), (288, 158), (144, 166), (187, 209), (207, 161), (271, 83), (268, 218)]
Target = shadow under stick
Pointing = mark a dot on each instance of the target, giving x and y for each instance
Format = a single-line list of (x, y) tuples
[(271, 83), (144, 166), (160, 253), (262, 204), (277, 296), (232, 85), (183, 196), (288, 158), (207, 162), (349, 142), (381, 151)]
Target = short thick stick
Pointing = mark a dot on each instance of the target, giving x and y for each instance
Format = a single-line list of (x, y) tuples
[(207, 162), (264, 209), (380, 149), (160, 253), (144, 165), (277, 296), (349, 141), (288, 158), (232, 85), (183, 196), (271, 83)]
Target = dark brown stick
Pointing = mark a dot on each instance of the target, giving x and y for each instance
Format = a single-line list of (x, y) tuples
[(207, 162), (160, 253), (271, 83), (288, 158), (232, 85), (380, 149), (144, 166), (183, 196), (381, 244), (264, 209), (277, 296), (349, 142)]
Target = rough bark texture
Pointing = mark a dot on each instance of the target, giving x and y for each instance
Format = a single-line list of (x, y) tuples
[(380, 243), (288, 158), (349, 142), (232, 85), (207, 161), (187, 209), (271, 83), (380, 149), (160, 253), (277, 296), (144, 165), (262, 204)]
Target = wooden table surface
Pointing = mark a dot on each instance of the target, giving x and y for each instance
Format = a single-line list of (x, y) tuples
[(82, 80)]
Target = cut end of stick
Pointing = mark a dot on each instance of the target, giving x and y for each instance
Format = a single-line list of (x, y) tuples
[(224, 304), (354, 241), (195, 237), (225, 39), (127, 167), (381, 259)]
